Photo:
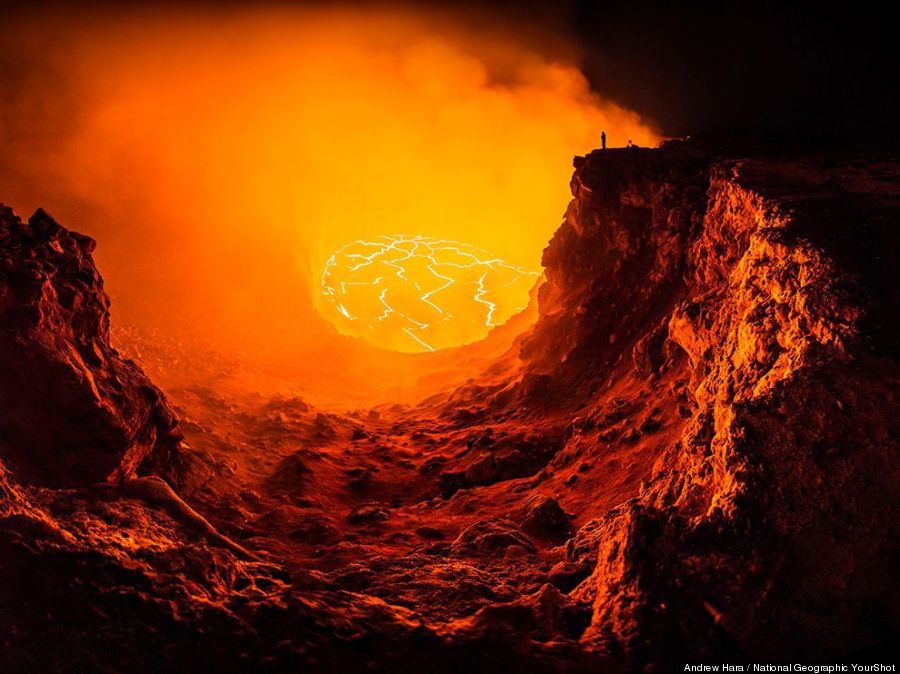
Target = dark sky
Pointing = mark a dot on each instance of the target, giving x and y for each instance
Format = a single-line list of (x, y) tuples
[(780, 71), (772, 70)]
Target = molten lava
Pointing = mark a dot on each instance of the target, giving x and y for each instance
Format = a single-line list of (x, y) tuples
[(415, 293)]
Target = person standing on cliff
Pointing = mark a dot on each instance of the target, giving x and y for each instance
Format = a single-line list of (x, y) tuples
[(603, 140)]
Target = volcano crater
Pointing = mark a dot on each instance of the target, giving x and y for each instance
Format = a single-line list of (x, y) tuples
[(691, 452)]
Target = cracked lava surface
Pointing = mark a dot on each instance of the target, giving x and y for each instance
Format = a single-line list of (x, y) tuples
[(418, 293)]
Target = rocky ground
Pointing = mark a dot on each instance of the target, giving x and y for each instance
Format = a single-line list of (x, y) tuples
[(691, 454)]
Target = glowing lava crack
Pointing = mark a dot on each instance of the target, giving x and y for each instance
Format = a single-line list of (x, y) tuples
[(416, 293)]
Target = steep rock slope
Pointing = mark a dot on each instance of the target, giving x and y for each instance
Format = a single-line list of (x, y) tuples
[(74, 410), (769, 524), (692, 453)]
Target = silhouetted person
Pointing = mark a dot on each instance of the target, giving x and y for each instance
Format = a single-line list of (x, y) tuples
[(603, 140), (630, 144)]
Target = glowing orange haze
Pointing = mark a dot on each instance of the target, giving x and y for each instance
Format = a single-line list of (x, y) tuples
[(221, 160)]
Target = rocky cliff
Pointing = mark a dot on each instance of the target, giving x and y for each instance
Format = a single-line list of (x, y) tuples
[(75, 411), (691, 454), (753, 296)]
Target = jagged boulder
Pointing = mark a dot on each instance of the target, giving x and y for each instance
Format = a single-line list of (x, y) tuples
[(753, 291), (543, 517), (73, 411)]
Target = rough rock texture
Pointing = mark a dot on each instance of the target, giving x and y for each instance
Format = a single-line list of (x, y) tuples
[(691, 455), (74, 410), (769, 525)]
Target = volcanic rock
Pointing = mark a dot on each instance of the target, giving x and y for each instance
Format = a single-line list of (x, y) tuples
[(566, 575), (710, 388), (764, 284), (544, 517), (490, 538), (289, 472), (366, 513), (542, 616), (75, 411)]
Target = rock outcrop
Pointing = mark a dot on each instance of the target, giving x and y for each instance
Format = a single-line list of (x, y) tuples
[(741, 289), (693, 453), (75, 411)]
